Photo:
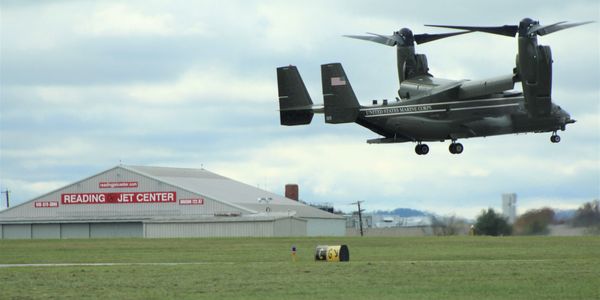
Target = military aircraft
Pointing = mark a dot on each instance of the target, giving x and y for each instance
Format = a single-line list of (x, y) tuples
[(434, 109)]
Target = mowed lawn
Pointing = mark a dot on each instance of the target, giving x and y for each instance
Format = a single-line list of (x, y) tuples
[(262, 268)]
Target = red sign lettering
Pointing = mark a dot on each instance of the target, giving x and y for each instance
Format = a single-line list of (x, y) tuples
[(118, 198)]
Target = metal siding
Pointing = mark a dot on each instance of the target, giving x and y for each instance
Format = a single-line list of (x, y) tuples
[(281, 227), (16, 231), (290, 227), (325, 227), (115, 230), (45, 231), (75, 231), (210, 229), (300, 228)]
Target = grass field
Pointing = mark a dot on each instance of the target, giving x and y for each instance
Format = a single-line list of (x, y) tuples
[(253, 268)]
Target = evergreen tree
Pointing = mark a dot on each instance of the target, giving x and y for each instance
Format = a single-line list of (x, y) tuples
[(491, 223)]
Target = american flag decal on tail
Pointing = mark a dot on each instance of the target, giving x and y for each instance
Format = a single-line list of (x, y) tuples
[(337, 81)]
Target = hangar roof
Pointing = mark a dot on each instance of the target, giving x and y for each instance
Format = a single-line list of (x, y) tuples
[(225, 189)]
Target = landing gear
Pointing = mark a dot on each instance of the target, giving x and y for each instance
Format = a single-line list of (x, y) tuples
[(456, 148), (422, 149), (555, 138)]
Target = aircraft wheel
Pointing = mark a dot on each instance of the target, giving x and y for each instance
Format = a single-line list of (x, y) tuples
[(458, 148), (555, 139), (452, 148), (418, 149), (422, 149)]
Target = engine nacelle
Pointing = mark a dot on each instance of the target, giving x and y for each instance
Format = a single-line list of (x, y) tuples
[(534, 68)]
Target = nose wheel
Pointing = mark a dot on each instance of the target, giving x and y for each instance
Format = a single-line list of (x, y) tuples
[(456, 148), (422, 149), (555, 138)]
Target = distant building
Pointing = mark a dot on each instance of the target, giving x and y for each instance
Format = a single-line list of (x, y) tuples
[(389, 221), (509, 207), (352, 220), (371, 220), (386, 221)]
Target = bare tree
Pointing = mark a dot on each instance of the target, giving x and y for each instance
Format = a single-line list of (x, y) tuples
[(534, 221)]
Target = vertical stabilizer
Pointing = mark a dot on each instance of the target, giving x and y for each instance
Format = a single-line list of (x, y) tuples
[(295, 105), (340, 103)]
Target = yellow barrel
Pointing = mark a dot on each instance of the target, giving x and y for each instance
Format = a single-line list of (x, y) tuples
[(332, 253)]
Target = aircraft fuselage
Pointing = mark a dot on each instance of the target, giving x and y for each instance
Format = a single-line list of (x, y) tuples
[(451, 120)]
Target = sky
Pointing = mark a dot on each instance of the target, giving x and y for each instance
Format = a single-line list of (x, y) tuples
[(88, 85)]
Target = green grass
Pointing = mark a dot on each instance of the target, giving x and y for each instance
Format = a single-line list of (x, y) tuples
[(253, 268)]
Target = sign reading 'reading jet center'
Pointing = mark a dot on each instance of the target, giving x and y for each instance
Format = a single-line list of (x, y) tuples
[(118, 198)]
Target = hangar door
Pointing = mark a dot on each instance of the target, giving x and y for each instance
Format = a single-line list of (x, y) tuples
[(31, 231), (72, 230), (116, 230), (16, 231)]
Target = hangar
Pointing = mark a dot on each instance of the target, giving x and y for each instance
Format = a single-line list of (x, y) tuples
[(161, 202)]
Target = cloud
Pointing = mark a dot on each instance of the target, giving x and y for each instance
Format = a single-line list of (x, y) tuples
[(86, 85), (393, 177), (205, 85), (27, 188), (123, 19)]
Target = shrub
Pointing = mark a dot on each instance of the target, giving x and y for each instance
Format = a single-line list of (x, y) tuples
[(491, 223)]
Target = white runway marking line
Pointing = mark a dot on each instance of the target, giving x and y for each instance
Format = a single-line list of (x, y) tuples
[(107, 264)]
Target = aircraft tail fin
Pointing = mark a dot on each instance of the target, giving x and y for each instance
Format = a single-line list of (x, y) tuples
[(340, 103), (295, 105)]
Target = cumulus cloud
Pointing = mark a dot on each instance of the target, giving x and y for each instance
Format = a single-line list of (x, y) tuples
[(87, 84), (116, 19), (205, 86)]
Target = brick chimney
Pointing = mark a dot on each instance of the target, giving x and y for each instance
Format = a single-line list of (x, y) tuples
[(291, 191)]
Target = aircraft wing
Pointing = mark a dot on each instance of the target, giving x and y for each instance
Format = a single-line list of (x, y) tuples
[(424, 88), (477, 88)]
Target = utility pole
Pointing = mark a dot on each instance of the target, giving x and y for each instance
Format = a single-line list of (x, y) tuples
[(359, 216), (7, 192)]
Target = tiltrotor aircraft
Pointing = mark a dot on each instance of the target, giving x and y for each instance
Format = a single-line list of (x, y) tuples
[(434, 109)]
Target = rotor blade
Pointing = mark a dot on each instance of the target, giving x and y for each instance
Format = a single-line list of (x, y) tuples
[(543, 30), (425, 38), (381, 39), (506, 30), (536, 28), (394, 37)]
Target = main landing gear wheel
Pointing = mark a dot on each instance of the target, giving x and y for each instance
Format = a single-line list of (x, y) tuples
[(555, 138), (422, 149), (456, 148)]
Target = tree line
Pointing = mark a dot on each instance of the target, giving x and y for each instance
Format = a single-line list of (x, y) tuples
[(536, 221)]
